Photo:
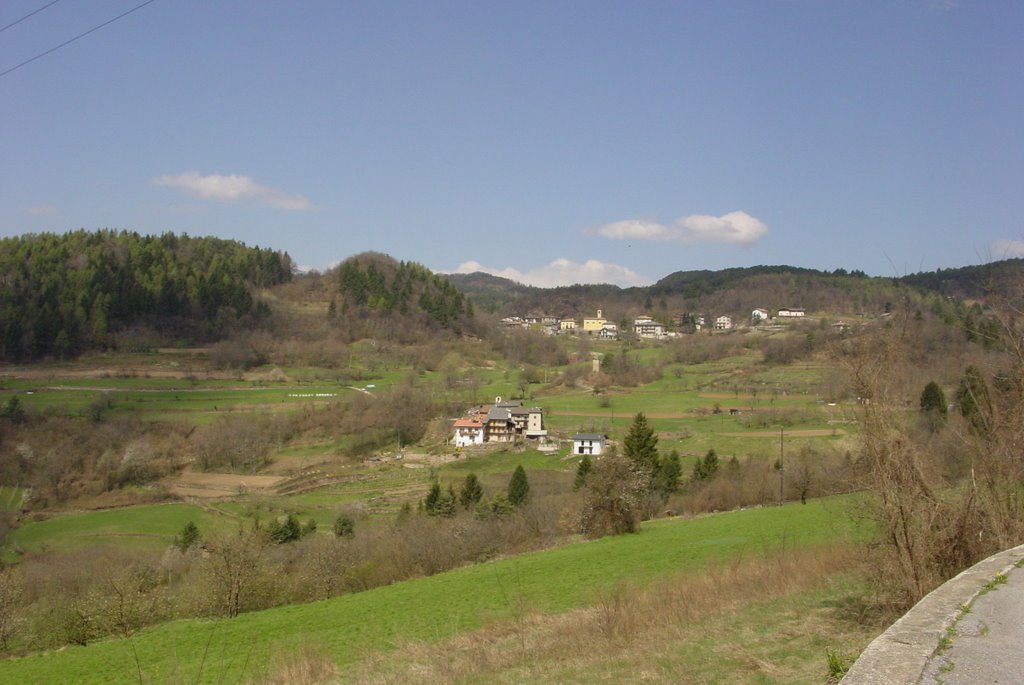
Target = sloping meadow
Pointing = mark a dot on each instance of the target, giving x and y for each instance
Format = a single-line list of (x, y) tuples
[(355, 627)]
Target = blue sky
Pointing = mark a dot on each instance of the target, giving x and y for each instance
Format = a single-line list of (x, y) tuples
[(551, 142)]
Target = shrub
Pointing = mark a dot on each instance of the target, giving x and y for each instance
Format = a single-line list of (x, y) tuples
[(613, 497)]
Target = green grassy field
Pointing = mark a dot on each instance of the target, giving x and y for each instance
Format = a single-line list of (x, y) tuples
[(149, 526), (436, 607)]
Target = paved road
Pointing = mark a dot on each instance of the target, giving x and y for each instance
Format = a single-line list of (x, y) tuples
[(938, 643), (988, 644)]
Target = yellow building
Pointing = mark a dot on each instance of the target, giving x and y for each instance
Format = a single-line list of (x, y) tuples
[(595, 324)]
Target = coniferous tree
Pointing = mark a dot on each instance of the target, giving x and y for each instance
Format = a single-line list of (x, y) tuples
[(471, 493), (432, 498), (973, 398), (189, 536), (670, 470), (287, 530), (344, 526), (518, 487), (641, 444), (446, 504), (706, 468), (933, 399), (582, 470), (933, 406)]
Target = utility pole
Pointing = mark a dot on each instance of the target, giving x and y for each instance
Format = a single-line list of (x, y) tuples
[(782, 463)]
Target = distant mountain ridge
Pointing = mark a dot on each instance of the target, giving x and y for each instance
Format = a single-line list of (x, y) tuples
[(740, 289)]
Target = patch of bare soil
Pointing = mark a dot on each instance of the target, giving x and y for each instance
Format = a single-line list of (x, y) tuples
[(210, 485)]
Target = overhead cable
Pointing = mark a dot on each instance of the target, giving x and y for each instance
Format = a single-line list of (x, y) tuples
[(30, 14), (72, 40)]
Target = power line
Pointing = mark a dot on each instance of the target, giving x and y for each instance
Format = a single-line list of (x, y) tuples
[(30, 14), (72, 40)]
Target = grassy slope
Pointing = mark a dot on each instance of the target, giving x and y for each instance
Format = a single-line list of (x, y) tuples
[(436, 607), (152, 526)]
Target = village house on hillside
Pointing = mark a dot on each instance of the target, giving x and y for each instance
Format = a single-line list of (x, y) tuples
[(588, 443), (758, 315), (646, 327), (723, 323), (503, 421), (791, 313)]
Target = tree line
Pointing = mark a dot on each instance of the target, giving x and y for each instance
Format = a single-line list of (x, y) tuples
[(62, 294)]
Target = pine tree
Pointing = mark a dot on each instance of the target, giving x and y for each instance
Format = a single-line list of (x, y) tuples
[(933, 406), (432, 498), (287, 530), (670, 470), (471, 492), (446, 504), (706, 468), (641, 444), (581, 472), (188, 537), (518, 487), (933, 399)]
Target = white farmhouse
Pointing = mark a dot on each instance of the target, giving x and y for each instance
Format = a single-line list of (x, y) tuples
[(723, 323), (759, 314), (588, 443), (791, 313), (469, 430)]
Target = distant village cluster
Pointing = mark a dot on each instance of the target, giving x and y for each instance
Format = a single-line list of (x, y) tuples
[(644, 326)]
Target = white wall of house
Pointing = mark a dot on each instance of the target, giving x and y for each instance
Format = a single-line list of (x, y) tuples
[(587, 446), (464, 437)]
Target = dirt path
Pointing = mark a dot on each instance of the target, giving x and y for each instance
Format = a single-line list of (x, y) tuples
[(808, 433), (606, 414)]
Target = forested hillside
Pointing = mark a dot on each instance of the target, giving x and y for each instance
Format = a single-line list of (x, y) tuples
[(1001, 279), (737, 291), (63, 294), (375, 284)]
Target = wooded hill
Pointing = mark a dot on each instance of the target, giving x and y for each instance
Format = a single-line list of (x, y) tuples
[(63, 294), (373, 283), (738, 291)]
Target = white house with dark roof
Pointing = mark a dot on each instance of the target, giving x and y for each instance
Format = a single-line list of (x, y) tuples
[(588, 443)]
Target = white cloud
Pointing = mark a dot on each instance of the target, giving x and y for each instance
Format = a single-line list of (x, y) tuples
[(1007, 249), (563, 272), (231, 188), (42, 210), (738, 228)]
